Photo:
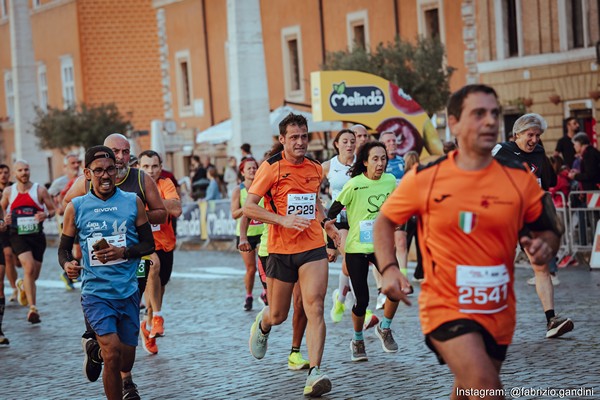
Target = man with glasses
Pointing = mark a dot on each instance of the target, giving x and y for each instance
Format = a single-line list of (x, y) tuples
[(130, 180), (114, 233)]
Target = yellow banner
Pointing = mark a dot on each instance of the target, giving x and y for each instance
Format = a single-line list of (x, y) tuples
[(377, 104)]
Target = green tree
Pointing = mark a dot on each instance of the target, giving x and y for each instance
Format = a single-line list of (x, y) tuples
[(418, 68), (83, 125)]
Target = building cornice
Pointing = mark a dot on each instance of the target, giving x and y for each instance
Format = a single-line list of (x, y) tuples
[(538, 60)]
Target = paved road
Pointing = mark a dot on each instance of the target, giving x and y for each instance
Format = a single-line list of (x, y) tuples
[(205, 355)]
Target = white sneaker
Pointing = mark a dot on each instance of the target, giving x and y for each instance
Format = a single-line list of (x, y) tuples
[(531, 281), (555, 280)]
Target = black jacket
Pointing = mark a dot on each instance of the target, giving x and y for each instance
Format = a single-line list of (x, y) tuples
[(589, 176), (536, 160)]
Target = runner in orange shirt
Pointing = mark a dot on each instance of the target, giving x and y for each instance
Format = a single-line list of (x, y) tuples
[(164, 239), (471, 212), (290, 183)]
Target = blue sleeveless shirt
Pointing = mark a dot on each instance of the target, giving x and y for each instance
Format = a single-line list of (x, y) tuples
[(114, 219)]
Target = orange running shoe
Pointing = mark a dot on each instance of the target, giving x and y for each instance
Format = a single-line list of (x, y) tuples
[(158, 328), (149, 344)]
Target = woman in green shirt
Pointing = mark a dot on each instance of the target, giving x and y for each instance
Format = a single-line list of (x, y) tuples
[(363, 196)]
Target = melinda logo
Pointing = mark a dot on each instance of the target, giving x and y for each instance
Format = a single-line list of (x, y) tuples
[(356, 99)]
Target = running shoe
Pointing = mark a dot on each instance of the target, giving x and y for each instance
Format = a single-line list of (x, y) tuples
[(263, 298), (248, 303), (21, 295), (158, 327), (567, 261), (67, 281), (555, 281), (380, 301), (338, 308), (558, 326), (130, 391), (531, 281), (296, 362), (92, 363), (388, 344), (148, 343), (370, 320), (4, 342), (33, 315), (357, 347), (258, 340), (317, 384)]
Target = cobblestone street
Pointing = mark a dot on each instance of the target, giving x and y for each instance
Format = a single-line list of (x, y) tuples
[(205, 355)]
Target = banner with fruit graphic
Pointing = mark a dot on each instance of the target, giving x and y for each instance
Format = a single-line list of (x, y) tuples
[(378, 104)]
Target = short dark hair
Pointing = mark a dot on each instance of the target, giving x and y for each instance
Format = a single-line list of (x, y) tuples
[(363, 155), (581, 138), (457, 99), (291, 119), (245, 147), (150, 154), (196, 158), (339, 135), (570, 119), (4, 166)]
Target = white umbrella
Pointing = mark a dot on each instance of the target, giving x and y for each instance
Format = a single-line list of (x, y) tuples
[(219, 133), (280, 113), (222, 132)]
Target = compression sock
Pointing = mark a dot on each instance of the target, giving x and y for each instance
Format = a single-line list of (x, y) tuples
[(386, 323), (359, 335)]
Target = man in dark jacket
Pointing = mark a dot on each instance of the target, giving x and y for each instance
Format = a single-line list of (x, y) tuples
[(527, 131)]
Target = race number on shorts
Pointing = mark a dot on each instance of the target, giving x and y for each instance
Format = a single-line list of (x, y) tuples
[(482, 289)]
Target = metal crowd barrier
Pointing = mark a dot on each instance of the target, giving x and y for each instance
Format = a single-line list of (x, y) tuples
[(583, 215), (563, 214)]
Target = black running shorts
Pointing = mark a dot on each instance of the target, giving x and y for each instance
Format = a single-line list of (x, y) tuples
[(284, 267), (34, 242), (458, 327)]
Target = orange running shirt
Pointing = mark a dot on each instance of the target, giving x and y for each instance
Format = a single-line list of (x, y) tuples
[(468, 226), (164, 236), (289, 188)]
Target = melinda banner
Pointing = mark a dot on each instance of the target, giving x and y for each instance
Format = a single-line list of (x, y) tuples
[(376, 103)]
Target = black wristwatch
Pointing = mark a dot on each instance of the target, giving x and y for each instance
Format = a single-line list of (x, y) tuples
[(325, 220)]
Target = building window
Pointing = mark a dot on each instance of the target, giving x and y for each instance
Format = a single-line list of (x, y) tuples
[(582, 23), (9, 91), (68, 81), (432, 23), (511, 33), (292, 63), (3, 9), (42, 87), (36, 3), (357, 28), (184, 83)]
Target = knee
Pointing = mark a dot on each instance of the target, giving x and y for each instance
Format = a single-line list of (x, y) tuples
[(314, 308), (360, 308), (298, 304), (251, 268), (154, 271), (541, 269), (277, 317), (111, 356)]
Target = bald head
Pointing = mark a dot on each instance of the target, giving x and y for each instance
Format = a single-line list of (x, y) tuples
[(121, 147), (362, 135)]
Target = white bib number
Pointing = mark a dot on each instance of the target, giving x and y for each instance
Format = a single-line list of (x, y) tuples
[(482, 290), (116, 240), (366, 231), (303, 205), (155, 227), (27, 225)]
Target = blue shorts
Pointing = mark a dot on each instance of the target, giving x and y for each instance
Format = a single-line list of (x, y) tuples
[(114, 316)]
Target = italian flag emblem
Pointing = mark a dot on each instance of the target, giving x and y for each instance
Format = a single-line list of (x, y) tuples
[(467, 221)]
